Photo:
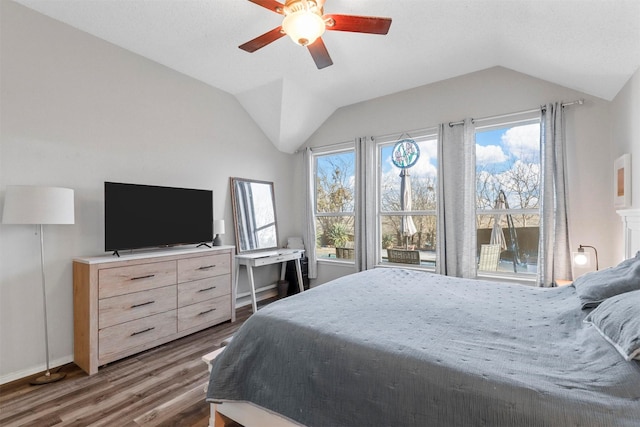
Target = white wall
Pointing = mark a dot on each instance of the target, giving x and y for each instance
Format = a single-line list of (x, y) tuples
[(77, 111), (625, 134), (492, 92)]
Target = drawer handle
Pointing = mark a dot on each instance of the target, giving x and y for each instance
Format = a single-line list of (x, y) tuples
[(141, 304), (206, 267), (207, 311), (142, 331), (206, 289), (148, 276)]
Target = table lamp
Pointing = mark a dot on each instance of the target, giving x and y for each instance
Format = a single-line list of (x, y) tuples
[(218, 229)]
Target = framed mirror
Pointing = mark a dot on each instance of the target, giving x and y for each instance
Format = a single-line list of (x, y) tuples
[(254, 215)]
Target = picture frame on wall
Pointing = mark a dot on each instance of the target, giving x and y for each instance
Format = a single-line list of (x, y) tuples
[(622, 182)]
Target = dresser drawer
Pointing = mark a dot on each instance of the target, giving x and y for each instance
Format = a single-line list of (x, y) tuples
[(124, 280), (202, 267), (204, 289), (210, 311), (119, 338), (124, 308)]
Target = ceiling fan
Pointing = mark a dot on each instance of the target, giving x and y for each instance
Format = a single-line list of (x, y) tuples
[(305, 22)]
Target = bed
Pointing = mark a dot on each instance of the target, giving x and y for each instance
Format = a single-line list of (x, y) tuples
[(401, 347)]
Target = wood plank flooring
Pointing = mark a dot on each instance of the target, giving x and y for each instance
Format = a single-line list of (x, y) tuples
[(163, 386)]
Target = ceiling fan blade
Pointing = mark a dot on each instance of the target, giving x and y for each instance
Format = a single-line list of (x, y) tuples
[(272, 5), (358, 24), (320, 54), (263, 40)]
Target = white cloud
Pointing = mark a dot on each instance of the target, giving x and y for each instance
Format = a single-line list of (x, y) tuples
[(523, 141), (489, 154), (424, 169), (429, 148)]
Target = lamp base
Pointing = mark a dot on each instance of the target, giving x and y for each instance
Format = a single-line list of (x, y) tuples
[(48, 378), (217, 241)]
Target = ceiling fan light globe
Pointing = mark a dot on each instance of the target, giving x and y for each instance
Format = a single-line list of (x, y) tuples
[(304, 27)]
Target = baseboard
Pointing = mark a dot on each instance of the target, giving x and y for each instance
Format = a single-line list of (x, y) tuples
[(242, 301), (53, 364)]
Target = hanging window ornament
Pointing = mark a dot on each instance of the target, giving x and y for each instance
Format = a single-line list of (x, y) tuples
[(405, 153)]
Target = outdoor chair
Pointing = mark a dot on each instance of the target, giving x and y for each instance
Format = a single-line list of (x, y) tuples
[(489, 257)]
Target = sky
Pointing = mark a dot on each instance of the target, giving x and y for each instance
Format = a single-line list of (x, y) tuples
[(500, 147)]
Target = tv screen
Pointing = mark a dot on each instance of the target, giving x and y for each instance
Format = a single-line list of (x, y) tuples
[(145, 216)]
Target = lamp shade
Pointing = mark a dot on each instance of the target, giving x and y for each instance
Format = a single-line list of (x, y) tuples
[(26, 204), (218, 226), (582, 259)]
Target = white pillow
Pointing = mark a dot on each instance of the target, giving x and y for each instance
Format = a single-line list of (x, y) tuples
[(595, 287), (618, 321)]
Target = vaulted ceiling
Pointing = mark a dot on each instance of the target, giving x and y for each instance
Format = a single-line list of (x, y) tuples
[(591, 46)]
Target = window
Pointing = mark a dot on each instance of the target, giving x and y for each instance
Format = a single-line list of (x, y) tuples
[(335, 204), (407, 233), (508, 197), (507, 192)]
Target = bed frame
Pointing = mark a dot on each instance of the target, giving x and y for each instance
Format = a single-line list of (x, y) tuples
[(229, 413)]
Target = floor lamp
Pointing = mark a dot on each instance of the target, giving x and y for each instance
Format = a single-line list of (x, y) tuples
[(25, 204)]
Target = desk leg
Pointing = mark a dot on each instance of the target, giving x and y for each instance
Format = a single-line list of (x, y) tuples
[(299, 272), (252, 285)]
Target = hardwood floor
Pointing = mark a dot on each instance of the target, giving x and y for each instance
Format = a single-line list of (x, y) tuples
[(163, 386)]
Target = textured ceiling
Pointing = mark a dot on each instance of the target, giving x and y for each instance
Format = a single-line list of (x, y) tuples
[(588, 45)]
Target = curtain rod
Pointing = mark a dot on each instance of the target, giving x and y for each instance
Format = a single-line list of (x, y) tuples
[(345, 143), (533, 110)]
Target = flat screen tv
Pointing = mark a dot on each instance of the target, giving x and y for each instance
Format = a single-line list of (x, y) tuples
[(147, 216)]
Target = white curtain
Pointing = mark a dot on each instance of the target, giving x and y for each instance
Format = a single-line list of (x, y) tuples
[(554, 255), (456, 241), (365, 206), (310, 229)]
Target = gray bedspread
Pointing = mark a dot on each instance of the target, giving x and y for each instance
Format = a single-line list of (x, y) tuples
[(395, 347)]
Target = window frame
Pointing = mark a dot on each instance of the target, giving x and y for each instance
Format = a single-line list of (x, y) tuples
[(506, 122), (380, 142), (330, 150)]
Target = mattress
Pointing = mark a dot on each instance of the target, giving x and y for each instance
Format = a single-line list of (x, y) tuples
[(399, 347)]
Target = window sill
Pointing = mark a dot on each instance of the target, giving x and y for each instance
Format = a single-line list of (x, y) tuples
[(335, 261)]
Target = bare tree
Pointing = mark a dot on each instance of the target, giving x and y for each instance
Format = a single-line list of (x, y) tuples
[(520, 183), (335, 193)]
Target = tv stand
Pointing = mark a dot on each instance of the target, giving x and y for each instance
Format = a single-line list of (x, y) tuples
[(203, 244), (115, 253)]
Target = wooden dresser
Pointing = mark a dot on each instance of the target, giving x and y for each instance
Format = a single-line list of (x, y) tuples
[(125, 305)]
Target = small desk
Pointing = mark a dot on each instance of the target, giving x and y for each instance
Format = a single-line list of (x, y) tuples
[(258, 259)]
